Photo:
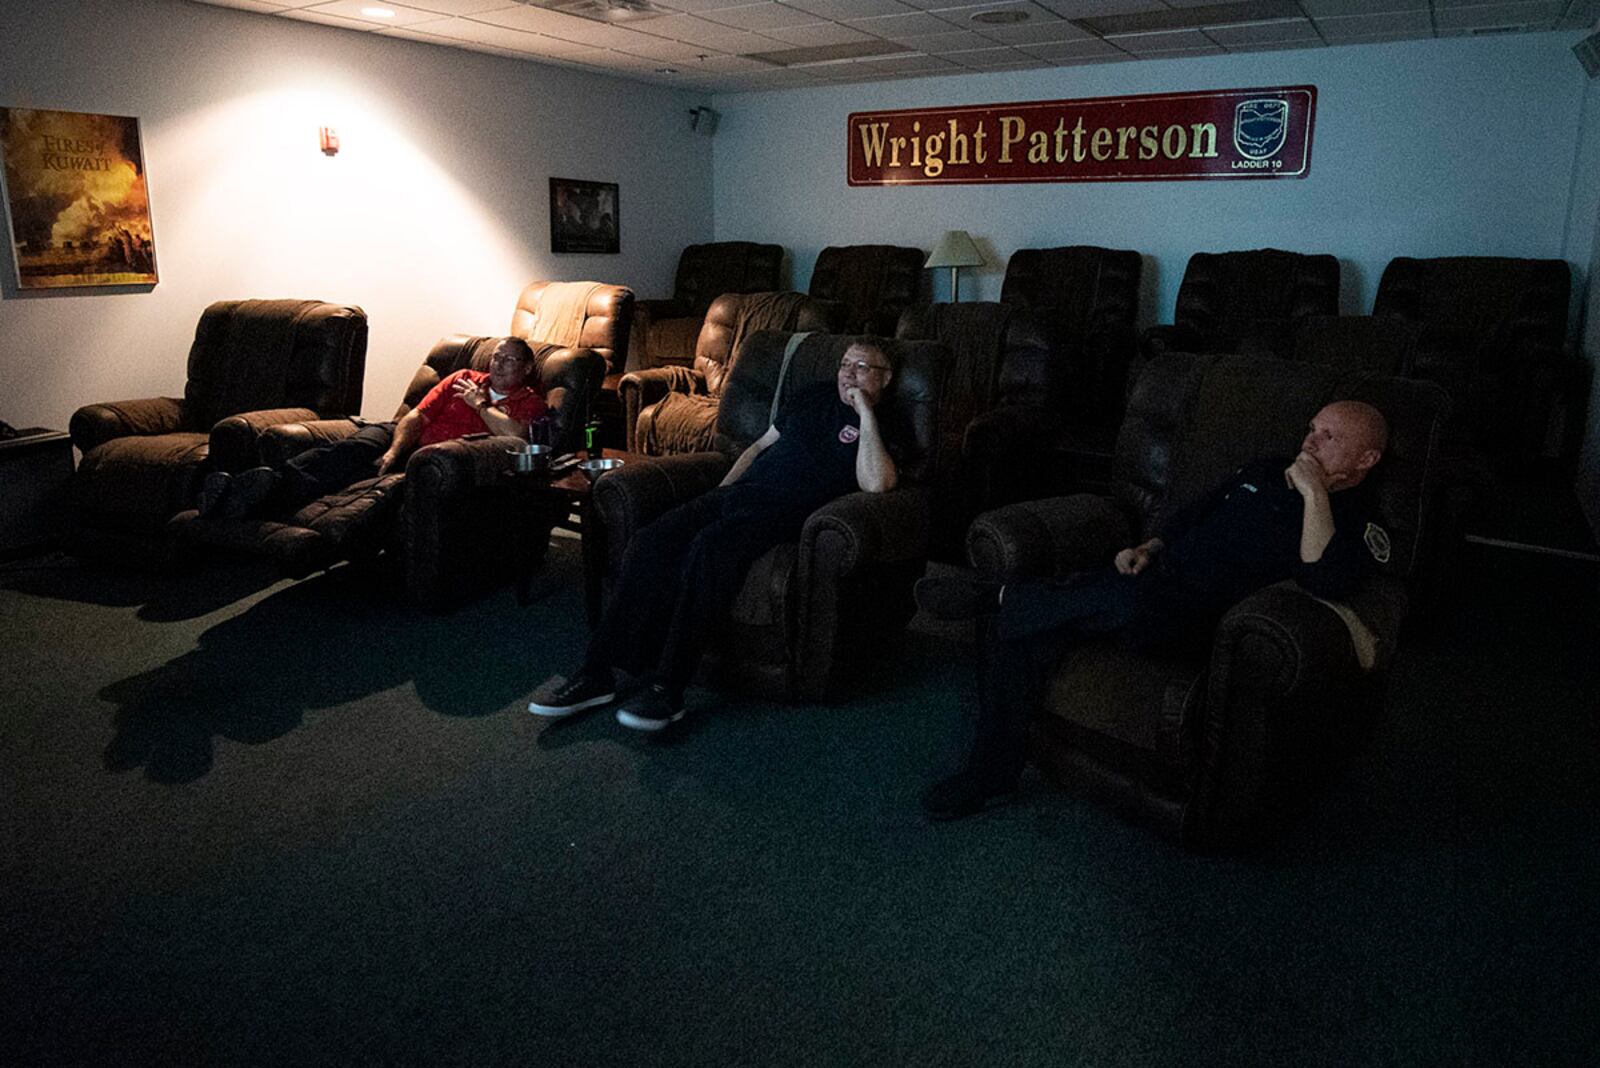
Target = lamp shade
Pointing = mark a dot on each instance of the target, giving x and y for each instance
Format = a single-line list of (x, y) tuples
[(955, 249)]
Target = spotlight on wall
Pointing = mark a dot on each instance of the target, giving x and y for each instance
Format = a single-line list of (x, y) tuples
[(703, 121), (329, 139)]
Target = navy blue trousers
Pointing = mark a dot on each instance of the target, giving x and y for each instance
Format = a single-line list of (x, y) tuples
[(329, 468), (1036, 621), (680, 575)]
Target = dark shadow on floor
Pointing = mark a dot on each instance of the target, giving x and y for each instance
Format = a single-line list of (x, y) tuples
[(343, 636), (162, 596)]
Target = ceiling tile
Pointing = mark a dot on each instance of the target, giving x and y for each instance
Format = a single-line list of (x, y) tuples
[(1032, 33), (1056, 51), (324, 19), (840, 10), (1541, 15), (247, 5), (1090, 9), (661, 48), (1325, 8), (535, 20), (953, 41), (1163, 41), (455, 7), (819, 33), (1344, 28), (356, 9), (760, 17), (696, 7), (988, 58), (899, 27), (465, 30), (1263, 32)]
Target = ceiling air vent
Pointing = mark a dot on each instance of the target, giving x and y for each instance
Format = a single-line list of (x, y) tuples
[(823, 55), (628, 11)]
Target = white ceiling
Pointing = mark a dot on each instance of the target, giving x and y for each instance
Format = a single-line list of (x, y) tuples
[(708, 44)]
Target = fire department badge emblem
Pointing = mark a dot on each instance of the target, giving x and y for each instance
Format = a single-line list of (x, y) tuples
[(1377, 540), (848, 434), (1259, 127)]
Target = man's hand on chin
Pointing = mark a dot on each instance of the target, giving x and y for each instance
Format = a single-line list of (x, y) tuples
[(858, 400), (1306, 475)]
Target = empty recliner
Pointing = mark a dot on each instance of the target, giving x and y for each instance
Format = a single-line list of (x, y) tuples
[(665, 330), (875, 283), (253, 364), (673, 409), (1246, 302)]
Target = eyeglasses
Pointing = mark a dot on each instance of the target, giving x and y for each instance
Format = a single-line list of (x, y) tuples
[(861, 366), (504, 358)]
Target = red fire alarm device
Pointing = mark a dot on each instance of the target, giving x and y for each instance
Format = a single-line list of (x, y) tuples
[(330, 141)]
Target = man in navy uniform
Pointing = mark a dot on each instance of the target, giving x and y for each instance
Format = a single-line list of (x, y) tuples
[(1304, 521), (681, 573)]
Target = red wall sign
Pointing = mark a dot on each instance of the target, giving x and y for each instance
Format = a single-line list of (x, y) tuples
[(1227, 133)]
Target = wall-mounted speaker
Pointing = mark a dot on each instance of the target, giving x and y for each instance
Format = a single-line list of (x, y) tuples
[(703, 121), (1588, 53)]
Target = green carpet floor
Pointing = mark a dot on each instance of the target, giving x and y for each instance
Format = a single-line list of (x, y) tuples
[(255, 822)]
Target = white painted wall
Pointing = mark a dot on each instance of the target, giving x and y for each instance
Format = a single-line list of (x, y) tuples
[(432, 217), (1462, 146)]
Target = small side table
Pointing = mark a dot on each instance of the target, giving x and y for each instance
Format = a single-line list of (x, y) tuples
[(35, 468), (550, 501)]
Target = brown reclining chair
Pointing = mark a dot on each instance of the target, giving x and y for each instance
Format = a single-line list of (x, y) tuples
[(1491, 331), (665, 331), (1215, 743), (673, 409), (1088, 298), (441, 516), (998, 411), (603, 324), (811, 613), (253, 363), (1246, 302), (874, 282)]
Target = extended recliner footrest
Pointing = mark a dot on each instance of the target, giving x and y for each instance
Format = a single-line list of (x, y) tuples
[(338, 525)]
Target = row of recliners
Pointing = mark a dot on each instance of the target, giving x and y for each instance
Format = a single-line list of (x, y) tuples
[(1209, 745)]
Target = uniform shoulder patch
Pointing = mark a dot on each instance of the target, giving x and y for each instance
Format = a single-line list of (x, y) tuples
[(1378, 545), (848, 434)]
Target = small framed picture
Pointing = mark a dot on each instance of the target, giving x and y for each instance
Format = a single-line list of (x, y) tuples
[(583, 216)]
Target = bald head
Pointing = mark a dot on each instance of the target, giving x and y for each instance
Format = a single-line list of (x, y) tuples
[(1347, 439)]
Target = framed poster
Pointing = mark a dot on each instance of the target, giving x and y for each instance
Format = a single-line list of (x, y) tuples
[(583, 216), (76, 198)]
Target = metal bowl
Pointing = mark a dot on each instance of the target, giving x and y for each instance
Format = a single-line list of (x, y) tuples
[(530, 459), (593, 469)]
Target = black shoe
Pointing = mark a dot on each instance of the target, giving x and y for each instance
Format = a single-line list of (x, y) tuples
[(562, 697), (965, 793), (957, 596), (650, 710), (213, 491), (250, 491)]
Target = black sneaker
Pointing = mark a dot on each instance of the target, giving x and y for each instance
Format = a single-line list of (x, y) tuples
[(651, 710), (562, 697), (213, 491), (956, 597), (251, 489), (965, 793)]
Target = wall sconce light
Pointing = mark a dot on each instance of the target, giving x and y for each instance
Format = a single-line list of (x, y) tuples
[(330, 140), (955, 250)]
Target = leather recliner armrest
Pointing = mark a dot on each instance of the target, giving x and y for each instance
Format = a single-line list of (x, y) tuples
[(1048, 538), (1282, 670), (235, 440), (640, 389), (96, 424), (866, 528), (1008, 432), (629, 498), (282, 441)]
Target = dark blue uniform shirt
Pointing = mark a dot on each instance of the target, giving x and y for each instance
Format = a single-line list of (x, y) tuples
[(1246, 535), (814, 459)]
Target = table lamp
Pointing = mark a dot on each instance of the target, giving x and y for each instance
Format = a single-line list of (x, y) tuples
[(955, 250)]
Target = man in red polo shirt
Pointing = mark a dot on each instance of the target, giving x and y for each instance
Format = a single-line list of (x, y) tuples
[(498, 401)]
